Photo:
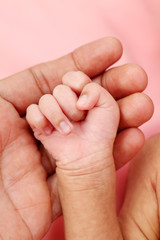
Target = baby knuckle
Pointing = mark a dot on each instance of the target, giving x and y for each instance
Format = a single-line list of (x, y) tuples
[(58, 89), (31, 108), (67, 76), (91, 86)]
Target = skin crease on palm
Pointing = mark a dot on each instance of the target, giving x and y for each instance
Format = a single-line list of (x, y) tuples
[(28, 215)]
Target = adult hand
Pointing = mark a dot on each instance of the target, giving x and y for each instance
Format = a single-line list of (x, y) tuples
[(25, 198), (139, 216)]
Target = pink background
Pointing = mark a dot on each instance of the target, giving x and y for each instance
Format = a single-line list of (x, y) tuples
[(36, 31)]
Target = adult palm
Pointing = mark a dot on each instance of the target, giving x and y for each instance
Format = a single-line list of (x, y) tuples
[(25, 204)]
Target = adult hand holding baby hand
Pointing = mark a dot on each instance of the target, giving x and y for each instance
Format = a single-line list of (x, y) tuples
[(124, 83), (24, 191)]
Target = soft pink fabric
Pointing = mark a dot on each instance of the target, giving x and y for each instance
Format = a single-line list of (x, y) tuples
[(38, 31)]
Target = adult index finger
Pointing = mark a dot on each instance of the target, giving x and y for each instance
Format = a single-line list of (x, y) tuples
[(25, 88)]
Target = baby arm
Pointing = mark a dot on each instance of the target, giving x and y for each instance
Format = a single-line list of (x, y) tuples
[(83, 153)]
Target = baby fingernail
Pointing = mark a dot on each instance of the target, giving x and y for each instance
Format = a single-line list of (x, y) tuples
[(64, 126), (82, 100)]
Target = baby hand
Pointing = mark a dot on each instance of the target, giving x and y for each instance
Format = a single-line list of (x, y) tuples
[(80, 147)]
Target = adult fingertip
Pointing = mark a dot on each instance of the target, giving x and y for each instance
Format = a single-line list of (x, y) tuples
[(135, 109), (150, 106), (138, 74), (117, 46), (95, 57)]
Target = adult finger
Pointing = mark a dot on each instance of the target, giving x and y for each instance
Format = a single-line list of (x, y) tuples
[(135, 110), (123, 80), (25, 88), (126, 146)]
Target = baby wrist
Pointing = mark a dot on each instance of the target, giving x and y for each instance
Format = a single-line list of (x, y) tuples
[(69, 180)]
